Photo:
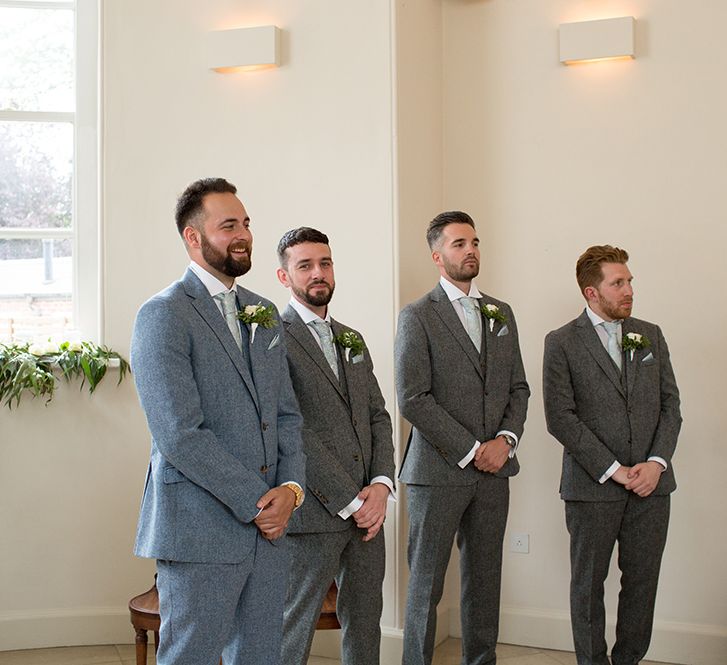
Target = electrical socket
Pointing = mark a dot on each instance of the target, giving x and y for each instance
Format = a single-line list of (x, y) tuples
[(520, 542)]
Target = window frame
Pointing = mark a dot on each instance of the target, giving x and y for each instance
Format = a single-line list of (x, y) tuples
[(85, 230)]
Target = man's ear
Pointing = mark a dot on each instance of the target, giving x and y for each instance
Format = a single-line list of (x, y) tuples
[(590, 293), (283, 277), (437, 258), (191, 236)]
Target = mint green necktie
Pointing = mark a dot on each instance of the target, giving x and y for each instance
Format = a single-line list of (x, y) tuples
[(613, 347), (473, 320), (325, 334), (229, 310)]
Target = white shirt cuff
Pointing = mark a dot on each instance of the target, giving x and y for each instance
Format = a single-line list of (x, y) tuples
[(469, 456), (352, 507), (609, 472), (656, 458), (513, 449)]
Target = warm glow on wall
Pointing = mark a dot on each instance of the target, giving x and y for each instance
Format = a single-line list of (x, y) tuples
[(244, 49), (593, 41)]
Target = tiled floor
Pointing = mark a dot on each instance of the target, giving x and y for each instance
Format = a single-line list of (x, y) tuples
[(448, 653)]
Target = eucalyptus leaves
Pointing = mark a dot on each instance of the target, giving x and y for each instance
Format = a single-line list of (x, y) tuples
[(26, 368)]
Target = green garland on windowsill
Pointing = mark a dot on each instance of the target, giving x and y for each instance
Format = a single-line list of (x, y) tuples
[(28, 368)]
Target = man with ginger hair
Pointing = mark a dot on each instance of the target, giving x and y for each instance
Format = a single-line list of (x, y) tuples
[(612, 401)]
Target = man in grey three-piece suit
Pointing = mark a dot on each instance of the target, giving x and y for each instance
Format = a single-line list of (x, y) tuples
[(337, 532), (461, 384), (226, 466), (612, 401)]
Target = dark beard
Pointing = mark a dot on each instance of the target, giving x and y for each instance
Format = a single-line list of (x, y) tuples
[(461, 273), (226, 263), (319, 300)]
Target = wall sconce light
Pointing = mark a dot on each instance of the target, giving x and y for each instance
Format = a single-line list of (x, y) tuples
[(611, 38), (243, 49)]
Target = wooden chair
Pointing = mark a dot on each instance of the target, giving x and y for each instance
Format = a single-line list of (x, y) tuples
[(144, 611)]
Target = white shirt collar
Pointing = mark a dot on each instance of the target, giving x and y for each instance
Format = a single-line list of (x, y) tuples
[(211, 283), (596, 320), (306, 314), (455, 293)]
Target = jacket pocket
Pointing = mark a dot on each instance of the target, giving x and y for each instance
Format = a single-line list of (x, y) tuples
[(172, 475)]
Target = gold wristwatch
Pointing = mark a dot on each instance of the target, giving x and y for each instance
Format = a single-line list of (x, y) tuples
[(299, 494)]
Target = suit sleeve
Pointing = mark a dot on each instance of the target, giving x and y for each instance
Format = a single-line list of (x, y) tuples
[(165, 380), (291, 459), (670, 419), (513, 418), (413, 389), (382, 446), (561, 415)]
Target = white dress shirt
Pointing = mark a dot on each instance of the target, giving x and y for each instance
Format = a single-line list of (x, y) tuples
[(308, 317), (596, 320), (454, 294)]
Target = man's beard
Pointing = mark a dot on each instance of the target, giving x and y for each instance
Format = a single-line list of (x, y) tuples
[(615, 312), (319, 299), (461, 273), (227, 263)]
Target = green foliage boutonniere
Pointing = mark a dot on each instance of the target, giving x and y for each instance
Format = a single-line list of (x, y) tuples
[(351, 343), (493, 313), (633, 342), (257, 315), (29, 367)]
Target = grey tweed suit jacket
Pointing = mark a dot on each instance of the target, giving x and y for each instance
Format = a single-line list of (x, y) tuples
[(223, 432), (346, 433), (452, 395), (601, 415)]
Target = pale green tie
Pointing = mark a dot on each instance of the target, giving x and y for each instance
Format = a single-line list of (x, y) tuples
[(473, 320), (613, 348), (325, 334), (229, 310)]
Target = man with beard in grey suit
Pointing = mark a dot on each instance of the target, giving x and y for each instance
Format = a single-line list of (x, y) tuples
[(461, 384), (226, 467), (612, 401), (337, 532)]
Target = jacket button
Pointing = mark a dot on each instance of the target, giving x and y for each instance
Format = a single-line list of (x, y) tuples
[(264, 468), (355, 458), (264, 426)]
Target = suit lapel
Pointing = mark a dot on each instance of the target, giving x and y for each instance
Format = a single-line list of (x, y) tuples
[(207, 309), (444, 309), (300, 332), (592, 342)]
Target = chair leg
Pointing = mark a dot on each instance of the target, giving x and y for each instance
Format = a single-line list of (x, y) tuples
[(141, 644)]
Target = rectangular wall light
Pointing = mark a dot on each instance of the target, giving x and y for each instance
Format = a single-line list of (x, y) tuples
[(243, 49), (597, 40)]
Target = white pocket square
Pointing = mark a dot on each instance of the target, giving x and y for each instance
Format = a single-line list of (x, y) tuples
[(648, 359), (357, 359), (503, 331), (274, 342)]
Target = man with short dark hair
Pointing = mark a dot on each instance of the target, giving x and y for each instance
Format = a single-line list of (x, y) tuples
[(226, 466), (612, 401), (461, 384), (350, 461)]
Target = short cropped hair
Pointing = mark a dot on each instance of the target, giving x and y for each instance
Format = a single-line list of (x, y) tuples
[(436, 226), (189, 204), (588, 266), (296, 237)]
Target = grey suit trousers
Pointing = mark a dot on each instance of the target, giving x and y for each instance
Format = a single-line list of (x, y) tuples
[(640, 527), (358, 568), (477, 515), (206, 605)]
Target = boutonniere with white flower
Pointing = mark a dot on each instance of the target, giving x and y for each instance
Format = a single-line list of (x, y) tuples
[(257, 315), (633, 342), (493, 313), (350, 342)]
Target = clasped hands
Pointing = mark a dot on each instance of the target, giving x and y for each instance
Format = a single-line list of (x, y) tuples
[(372, 514), (641, 478), (492, 455), (276, 508)]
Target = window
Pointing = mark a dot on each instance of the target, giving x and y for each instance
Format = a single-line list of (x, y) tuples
[(48, 169)]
